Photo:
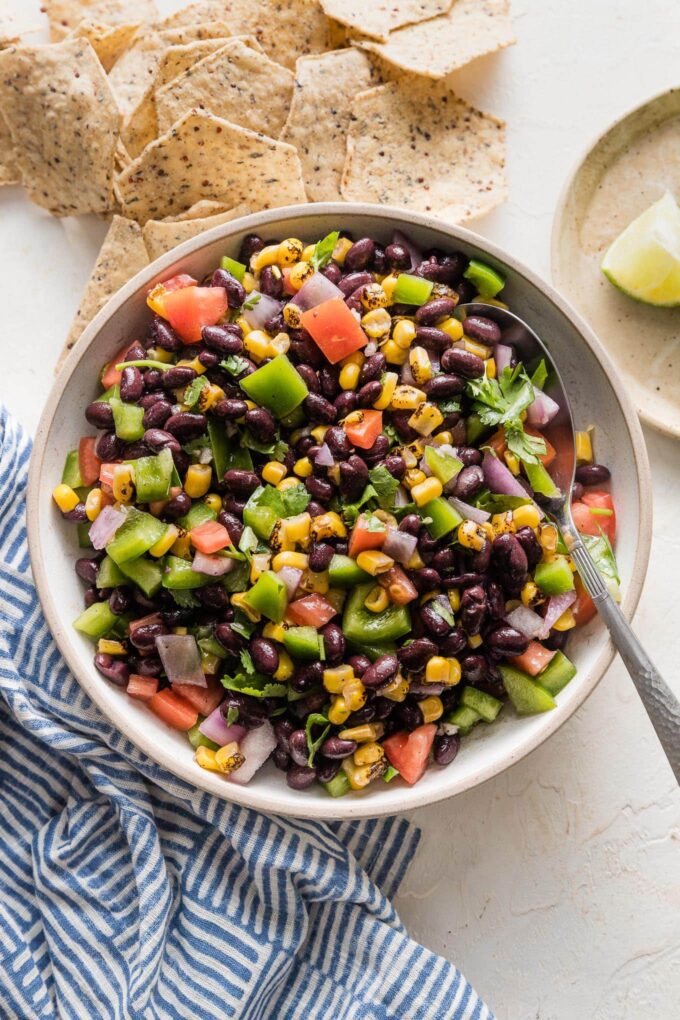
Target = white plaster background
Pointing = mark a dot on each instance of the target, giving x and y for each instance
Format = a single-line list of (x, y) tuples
[(555, 887)]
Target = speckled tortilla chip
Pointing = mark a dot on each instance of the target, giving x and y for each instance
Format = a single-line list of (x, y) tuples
[(122, 254), (325, 86), (184, 34), (415, 144), (109, 42), (64, 124), (235, 83), (64, 15), (9, 170), (132, 75), (194, 14), (200, 210), (437, 47), (378, 18), (163, 235), (206, 157)]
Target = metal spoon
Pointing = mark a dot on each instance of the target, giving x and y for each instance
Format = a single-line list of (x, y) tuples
[(662, 707)]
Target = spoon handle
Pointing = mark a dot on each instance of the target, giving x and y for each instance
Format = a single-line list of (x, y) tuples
[(661, 705)]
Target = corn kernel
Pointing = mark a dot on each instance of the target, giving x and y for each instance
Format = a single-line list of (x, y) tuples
[(194, 363), (287, 483), (349, 377), (471, 535), (181, 547), (389, 384), (159, 354), (376, 323), (205, 757), (397, 690), (279, 345), (229, 758), (290, 251), (388, 284), (108, 647), (328, 525), (547, 536), (210, 663), (123, 483), (336, 597), (404, 333), (273, 472), (566, 621), (303, 467), (455, 671), (256, 343), (166, 541), (274, 631), (240, 600), (340, 251), (248, 283), (299, 274), (503, 524), (386, 517), (374, 562), (369, 753), (297, 528), (335, 677), (481, 350), (214, 501), (244, 325), (180, 631), (426, 491), (359, 776), (266, 256), (318, 433), (407, 398), (584, 448), (474, 641), (292, 316), (512, 461), (414, 476), (362, 734), (308, 252), (315, 582), (298, 560), (377, 600), (453, 327), (425, 419), (209, 396), (491, 370), (432, 708), (355, 358), (197, 480), (258, 565), (437, 670), (338, 713), (373, 296), (531, 595), (421, 366), (354, 694), (394, 354), (93, 504), (285, 668)]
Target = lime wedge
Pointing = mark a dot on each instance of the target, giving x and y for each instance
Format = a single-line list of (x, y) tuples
[(644, 260)]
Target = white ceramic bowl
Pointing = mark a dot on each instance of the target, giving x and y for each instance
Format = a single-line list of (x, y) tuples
[(597, 395)]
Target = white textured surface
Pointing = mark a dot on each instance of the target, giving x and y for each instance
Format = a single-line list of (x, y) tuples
[(555, 887)]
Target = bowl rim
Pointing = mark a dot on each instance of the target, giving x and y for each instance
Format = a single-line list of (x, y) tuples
[(259, 798), (560, 217)]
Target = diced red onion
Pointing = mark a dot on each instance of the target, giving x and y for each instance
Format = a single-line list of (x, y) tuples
[(415, 252), (472, 513), (324, 457), (425, 467), (205, 456), (291, 578), (503, 356), (526, 621), (105, 526), (542, 411), (263, 310), (255, 747), (213, 566), (400, 545), (371, 348), (416, 687), (557, 605), (181, 659), (401, 497), (500, 478), (434, 361), (214, 727), (406, 375), (317, 289)]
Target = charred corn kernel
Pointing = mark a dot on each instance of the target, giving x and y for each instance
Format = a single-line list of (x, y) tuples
[(285, 668), (159, 354), (416, 562), (181, 631), (566, 621), (421, 366), (369, 754), (109, 647), (481, 350), (425, 491), (354, 693), (244, 324), (389, 384), (318, 432), (248, 283), (454, 598), (181, 547), (258, 564), (338, 713), (229, 758), (197, 480), (290, 251), (531, 595), (328, 525), (273, 472), (209, 396), (394, 354), (278, 541), (279, 345), (407, 398), (239, 599), (299, 274), (491, 370), (94, 503), (362, 734), (432, 708), (512, 461), (292, 316), (388, 283), (303, 467), (474, 641), (298, 560), (287, 483), (340, 251), (308, 252), (266, 256), (414, 476), (214, 501), (437, 670), (374, 562), (455, 671), (298, 527), (503, 524), (386, 517), (397, 690), (488, 530), (166, 541), (404, 333), (313, 582), (335, 677), (584, 448), (410, 457), (471, 535), (123, 484), (256, 343), (376, 323), (547, 536), (373, 296), (274, 631), (360, 776), (453, 327), (377, 600), (425, 419), (205, 757), (526, 516), (349, 377), (194, 363), (65, 498)]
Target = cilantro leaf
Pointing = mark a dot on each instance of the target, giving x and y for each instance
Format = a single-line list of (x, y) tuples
[(391, 433), (250, 302), (234, 364), (323, 250), (295, 500), (256, 685), (192, 393), (241, 625), (450, 406), (499, 401), (443, 610), (539, 375), (315, 719), (232, 715), (495, 503), (237, 579), (385, 486), (350, 511), (275, 451), (184, 599), (528, 448), (247, 661)]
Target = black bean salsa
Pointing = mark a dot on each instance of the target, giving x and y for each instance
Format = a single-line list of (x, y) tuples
[(312, 517)]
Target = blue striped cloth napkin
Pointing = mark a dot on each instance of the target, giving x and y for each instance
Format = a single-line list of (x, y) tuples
[(127, 893)]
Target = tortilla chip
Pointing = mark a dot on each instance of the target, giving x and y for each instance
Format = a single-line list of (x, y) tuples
[(416, 144), (437, 47), (200, 210), (132, 75), (122, 254), (203, 156), (64, 123), (196, 33), (9, 170), (236, 83), (64, 15), (163, 235), (109, 42), (325, 86), (378, 19), (194, 14)]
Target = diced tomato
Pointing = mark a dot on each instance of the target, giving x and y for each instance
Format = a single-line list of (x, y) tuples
[(310, 611), (173, 710), (548, 457), (408, 752), (362, 538), (179, 282), (209, 537), (497, 444), (365, 430), (189, 309), (584, 607), (400, 590), (106, 470), (142, 688), (203, 699), (604, 515), (533, 660), (110, 374), (89, 463), (334, 329), (285, 272)]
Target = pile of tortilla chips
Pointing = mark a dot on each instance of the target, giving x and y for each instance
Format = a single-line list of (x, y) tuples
[(180, 123)]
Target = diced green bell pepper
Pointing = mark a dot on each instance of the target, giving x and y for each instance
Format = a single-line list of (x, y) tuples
[(109, 574), (179, 575), (484, 704), (210, 646), (146, 574), (196, 738), (370, 650), (361, 625), (488, 281), (390, 773), (135, 536), (557, 674), (555, 577), (443, 517), (96, 621), (475, 429), (276, 386), (198, 514), (153, 476), (464, 718), (302, 642), (412, 290), (238, 457), (71, 473), (127, 420), (344, 572), (219, 445), (295, 419), (237, 269), (268, 596), (338, 786), (83, 531), (526, 694), (443, 466), (260, 518), (540, 481)]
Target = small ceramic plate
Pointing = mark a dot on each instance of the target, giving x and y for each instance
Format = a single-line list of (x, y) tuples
[(625, 171)]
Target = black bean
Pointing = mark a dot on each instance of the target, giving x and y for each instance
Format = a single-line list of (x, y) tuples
[(510, 562), (131, 384), (159, 439), (462, 362), (310, 377), (369, 393), (300, 777), (152, 379), (432, 339), (337, 442), (315, 509), (326, 768), (345, 403), (362, 715), (144, 636), (234, 506), (271, 282), (473, 609), (228, 638), (556, 640), (359, 663), (119, 601), (241, 482), (99, 414), (334, 643), (435, 310), (180, 375), (353, 478), (250, 245), (468, 482), (281, 759), (469, 455), (372, 368), (381, 672), (233, 525), (230, 408), (156, 416), (592, 474), (400, 421), (444, 386), (303, 350), (320, 556), (113, 669), (354, 281), (443, 268), (87, 568), (149, 399), (319, 409), (329, 384), (359, 255), (336, 747), (444, 559), (478, 327), (532, 547), (577, 491), (282, 731), (319, 489), (411, 524), (108, 446), (252, 713), (185, 425), (264, 655), (208, 358), (261, 423), (146, 665), (224, 340), (213, 596), (409, 715), (395, 465), (433, 622), (178, 506), (507, 640), (445, 748), (378, 451), (164, 336), (415, 655), (90, 596), (454, 642), (332, 272), (425, 579), (398, 256), (307, 677)]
